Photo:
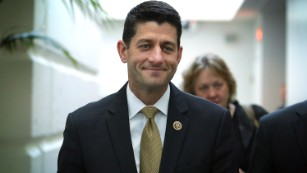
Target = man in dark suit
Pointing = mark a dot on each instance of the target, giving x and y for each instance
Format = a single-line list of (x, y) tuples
[(106, 136), (281, 142)]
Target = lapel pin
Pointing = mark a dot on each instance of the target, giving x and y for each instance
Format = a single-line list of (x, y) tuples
[(177, 125)]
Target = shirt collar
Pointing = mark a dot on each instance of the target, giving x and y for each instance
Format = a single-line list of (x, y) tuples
[(135, 105)]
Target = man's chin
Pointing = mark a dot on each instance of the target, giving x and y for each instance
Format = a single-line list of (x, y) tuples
[(156, 84)]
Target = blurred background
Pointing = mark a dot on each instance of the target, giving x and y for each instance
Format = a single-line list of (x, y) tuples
[(58, 55)]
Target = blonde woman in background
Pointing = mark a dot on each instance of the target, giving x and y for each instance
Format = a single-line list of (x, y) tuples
[(210, 78)]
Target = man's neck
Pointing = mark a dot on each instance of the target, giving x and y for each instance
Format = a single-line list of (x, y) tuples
[(148, 96)]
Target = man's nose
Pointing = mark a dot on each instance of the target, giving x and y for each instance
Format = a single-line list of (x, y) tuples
[(156, 55)]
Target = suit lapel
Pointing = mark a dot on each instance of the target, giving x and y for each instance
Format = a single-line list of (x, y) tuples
[(119, 130), (300, 128), (174, 139)]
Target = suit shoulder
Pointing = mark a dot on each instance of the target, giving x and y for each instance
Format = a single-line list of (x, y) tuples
[(95, 106), (283, 115), (205, 107)]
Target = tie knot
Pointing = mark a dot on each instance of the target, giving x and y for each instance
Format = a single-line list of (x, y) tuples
[(149, 111)]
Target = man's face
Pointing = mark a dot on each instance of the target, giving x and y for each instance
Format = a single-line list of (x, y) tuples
[(152, 56)]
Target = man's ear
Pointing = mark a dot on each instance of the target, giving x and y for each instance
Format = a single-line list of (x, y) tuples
[(179, 54), (122, 51)]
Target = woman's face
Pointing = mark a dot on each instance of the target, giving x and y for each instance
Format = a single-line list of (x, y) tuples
[(212, 87)]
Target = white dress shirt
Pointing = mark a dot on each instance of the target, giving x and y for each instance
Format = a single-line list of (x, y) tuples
[(138, 120)]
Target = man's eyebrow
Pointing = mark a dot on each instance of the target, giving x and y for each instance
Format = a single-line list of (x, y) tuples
[(169, 43), (143, 40)]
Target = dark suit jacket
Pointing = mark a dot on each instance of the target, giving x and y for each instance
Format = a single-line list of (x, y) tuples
[(97, 137), (281, 142)]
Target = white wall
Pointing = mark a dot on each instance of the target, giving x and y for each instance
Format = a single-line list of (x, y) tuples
[(233, 41), (271, 58), (40, 87), (296, 51)]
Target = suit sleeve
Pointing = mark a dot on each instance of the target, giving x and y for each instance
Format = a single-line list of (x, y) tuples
[(261, 155), (70, 158), (224, 159)]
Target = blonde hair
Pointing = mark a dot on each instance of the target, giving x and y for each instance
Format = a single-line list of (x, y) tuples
[(213, 63)]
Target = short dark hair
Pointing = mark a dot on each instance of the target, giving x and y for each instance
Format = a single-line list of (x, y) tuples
[(157, 11)]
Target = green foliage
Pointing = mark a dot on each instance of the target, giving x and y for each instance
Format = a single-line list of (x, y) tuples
[(27, 39), (89, 8)]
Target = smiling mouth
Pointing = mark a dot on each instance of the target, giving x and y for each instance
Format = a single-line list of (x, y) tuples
[(154, 72), (154, 69)]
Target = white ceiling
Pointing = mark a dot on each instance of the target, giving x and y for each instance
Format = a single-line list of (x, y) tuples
[(204, 10)]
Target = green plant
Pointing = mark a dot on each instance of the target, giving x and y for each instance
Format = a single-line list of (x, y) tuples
[(90, 8), (27, 39)]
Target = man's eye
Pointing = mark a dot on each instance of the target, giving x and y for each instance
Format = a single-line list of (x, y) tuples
[(168, 49), (144, 46)]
